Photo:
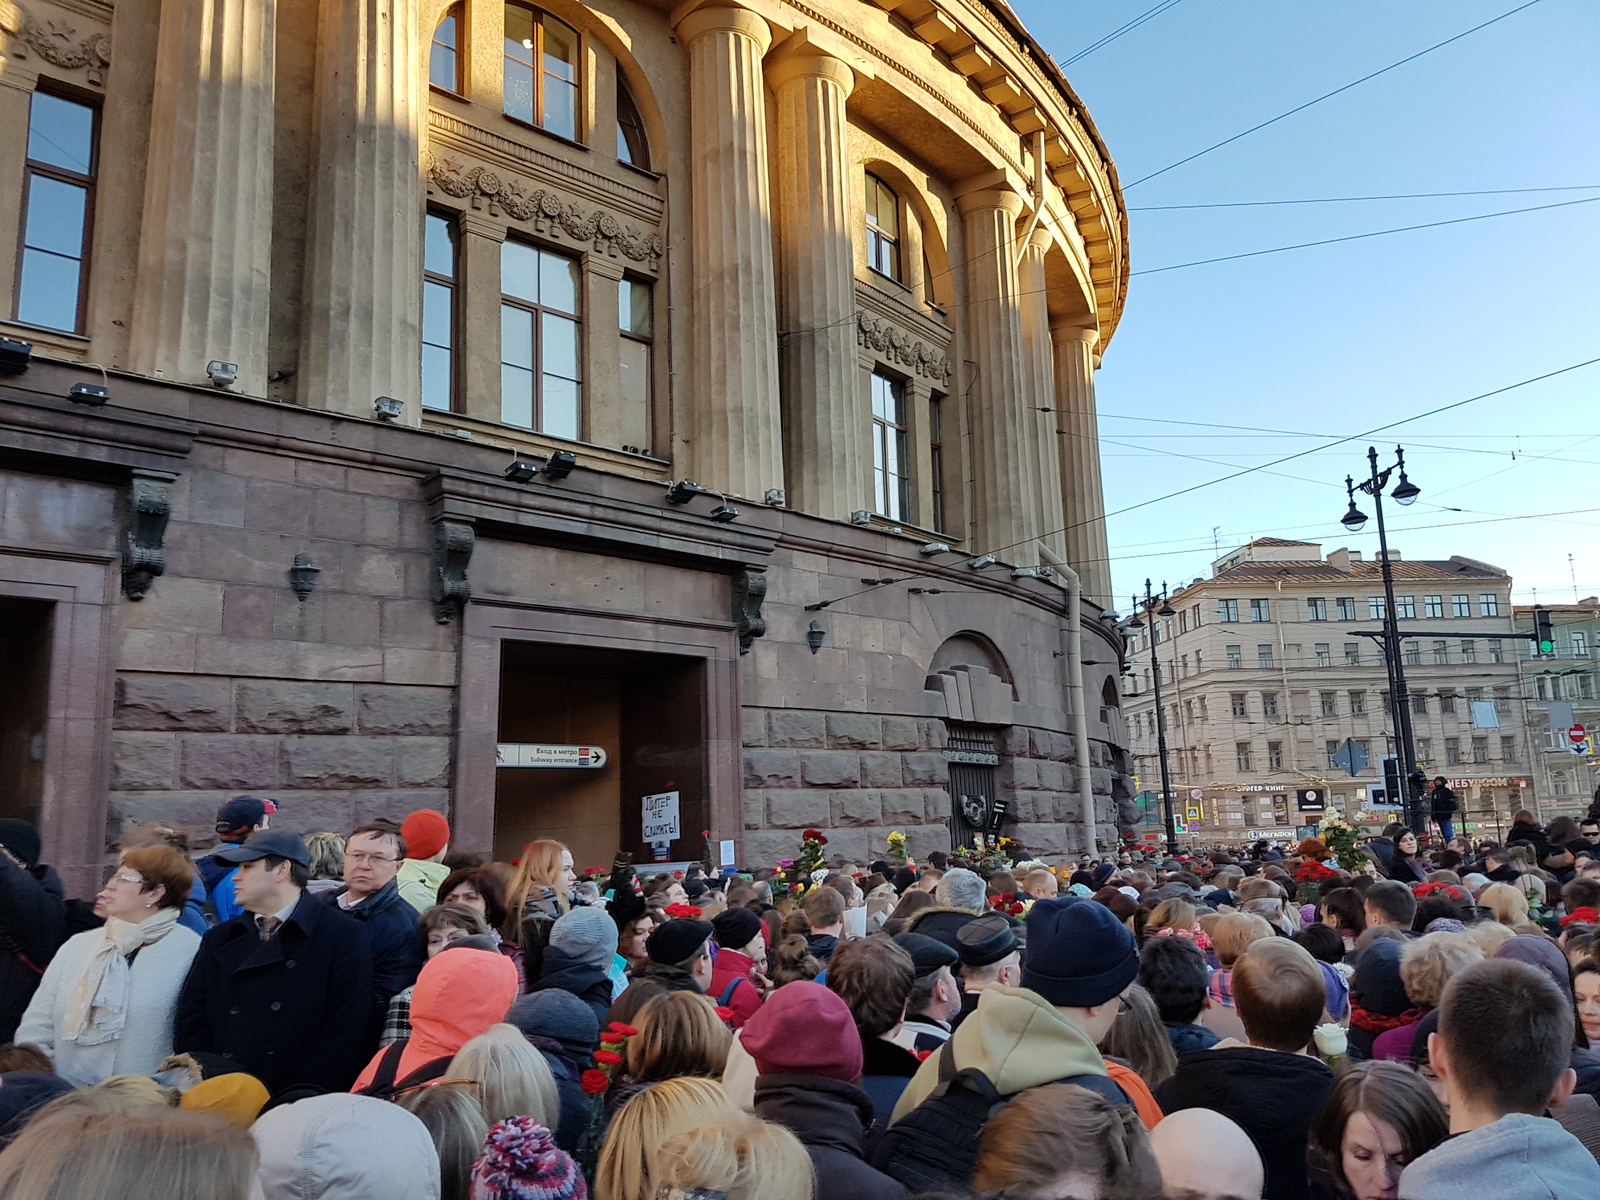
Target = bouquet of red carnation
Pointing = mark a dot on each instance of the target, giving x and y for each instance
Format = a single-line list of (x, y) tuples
[(596, 1082), (1315, 872), (1447, 890), (689, 911)]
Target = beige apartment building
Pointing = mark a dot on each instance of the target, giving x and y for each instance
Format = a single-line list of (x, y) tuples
[(1264, 677), (388, 381)]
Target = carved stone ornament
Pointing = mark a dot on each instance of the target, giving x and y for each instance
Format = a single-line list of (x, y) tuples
[(749, 590), (452, 551), (144, 525), (898, 347), (551, 216), (59, 44)]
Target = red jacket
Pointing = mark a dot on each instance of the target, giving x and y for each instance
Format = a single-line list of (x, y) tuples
[(734, 968)]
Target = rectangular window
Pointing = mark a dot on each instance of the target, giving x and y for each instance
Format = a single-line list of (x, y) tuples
[(1324, 654), (1424, 749), (1447, 702), (1469, 651), (1473, 694), (1377, 608), (1235, 657), (1502, 700), (1316, 609), (636, 342), (1488, 605), (1419, 704), (1183, 620), (1508, 749), (1433, 606), (1413, 654), (1560, 784), (1405, 606), (1330, 704), (1580, 644), (541, 71), (1274, 756), (1480, 749), (1227, 610), (1259, 611), (540, 377), (1264, 656), (1194, 614), (1352, 654), (1541, 687), (1346, 608), (438, 312), (883, 228), (1358, 704), (936, 457), (1236, 701), (1388, 705), (1441, 652), (1241, 754), (58, 208), (890, 487), (1330, 749), (1452, 751), (1460, 606), (444, 58), (1585, 687), (1496, 654), (1269, 704)]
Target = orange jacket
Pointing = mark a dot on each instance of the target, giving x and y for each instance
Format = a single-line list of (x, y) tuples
[(1129, 1080), (459, 994)]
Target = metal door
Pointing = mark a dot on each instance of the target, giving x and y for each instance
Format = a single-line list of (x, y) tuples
[(972, 758)]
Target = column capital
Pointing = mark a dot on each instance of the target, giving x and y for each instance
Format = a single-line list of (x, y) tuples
[(722, 18), (1077, 333), (988, 198), (799, 58), (1041, 238)]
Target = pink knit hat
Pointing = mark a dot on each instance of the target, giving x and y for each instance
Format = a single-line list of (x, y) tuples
[(520, 1161)]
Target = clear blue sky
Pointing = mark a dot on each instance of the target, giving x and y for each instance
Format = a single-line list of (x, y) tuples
[(1339, 339)]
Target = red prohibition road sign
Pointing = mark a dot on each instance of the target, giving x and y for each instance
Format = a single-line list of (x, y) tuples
[(1577, 734)]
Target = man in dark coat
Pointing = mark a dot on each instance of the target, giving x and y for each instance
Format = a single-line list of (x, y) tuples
[(32, 920), (1442, 805), (807, 1059), (284, 989), (371, 894)]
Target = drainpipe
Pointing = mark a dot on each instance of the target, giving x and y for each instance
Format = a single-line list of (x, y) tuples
[(1038, 197), (1072, 650)]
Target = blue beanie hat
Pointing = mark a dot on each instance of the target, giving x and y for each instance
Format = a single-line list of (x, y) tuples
[(1079, 954)]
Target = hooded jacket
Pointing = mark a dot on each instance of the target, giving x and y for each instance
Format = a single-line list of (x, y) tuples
[(419, 881), (1273, 1096), (459, 994), (830, 1117), (587, 982), (732, 967), (1018, 1039), (342, 1147), (1518, 1157)]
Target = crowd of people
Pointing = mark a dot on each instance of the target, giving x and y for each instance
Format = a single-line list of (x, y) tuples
[(374, 1016)]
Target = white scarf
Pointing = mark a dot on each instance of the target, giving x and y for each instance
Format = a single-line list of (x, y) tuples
[(97, 1007)]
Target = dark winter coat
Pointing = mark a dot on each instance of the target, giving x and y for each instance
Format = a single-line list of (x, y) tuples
[(292, 1011), (831, 1118), (1273, 1096), (398, 950), (1442, 804), (588, 983), (1520, 831), (1185, 1038), (32, 922), (674, 979), (822, 946), (567, 1067), (885, 1071)]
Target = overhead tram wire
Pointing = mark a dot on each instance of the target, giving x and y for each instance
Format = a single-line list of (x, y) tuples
[(1329, 95), (1128, 27), (1576, 187)]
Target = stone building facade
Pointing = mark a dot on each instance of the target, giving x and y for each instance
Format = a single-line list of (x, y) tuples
[(386, 381)]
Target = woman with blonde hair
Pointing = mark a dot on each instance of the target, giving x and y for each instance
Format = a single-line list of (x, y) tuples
[(106, 1003), (632, 1157), (94, 1151), (543, 888), (455, 1121), (513, 1078), (1508, 904), (744, 1158), (679, 1034)]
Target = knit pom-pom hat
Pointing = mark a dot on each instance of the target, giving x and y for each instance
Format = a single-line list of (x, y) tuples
[(520, 1161)]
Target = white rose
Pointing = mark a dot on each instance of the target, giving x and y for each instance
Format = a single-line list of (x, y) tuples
[(1332, 1040)]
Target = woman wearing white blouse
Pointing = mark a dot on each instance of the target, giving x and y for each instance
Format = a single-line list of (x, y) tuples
[(105, 1005)]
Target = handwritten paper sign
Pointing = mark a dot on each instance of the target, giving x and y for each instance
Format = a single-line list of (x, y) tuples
[(660, 813)]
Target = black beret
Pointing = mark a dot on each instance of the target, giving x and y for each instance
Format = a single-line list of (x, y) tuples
[(675, 941), (986, 939), (928, 954)]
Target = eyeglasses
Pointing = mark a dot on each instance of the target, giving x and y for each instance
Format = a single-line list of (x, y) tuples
[(363, 860), (1124, 1006), (118, 877)]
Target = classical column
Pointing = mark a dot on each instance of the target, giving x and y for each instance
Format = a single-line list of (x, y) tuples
[(827, 416), (735, 442), (361, 332), (1041, 393), (1004, 457), (1082, 502), (205, 246)]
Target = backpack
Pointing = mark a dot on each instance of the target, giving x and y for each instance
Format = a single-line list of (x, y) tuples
[(727, 993), (383, 1085), (934, 1147)]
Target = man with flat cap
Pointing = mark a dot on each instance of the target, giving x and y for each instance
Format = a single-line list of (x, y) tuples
[(283, 989), (935, 997), (990, 953)]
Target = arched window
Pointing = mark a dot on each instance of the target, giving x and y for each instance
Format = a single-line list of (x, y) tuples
[(631, 144), (883, 228), (444, 57), (541, 71)]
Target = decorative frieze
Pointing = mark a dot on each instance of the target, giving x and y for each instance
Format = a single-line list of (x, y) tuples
[(550, 215), (59, 44), (900, 348)]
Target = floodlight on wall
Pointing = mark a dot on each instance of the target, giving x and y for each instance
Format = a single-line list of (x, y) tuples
[(815, 636), (303, 576), (88, 393), (982, 561), (723, 513), (15, 355), (775, 498), (683, 491), (388, 408), (222, 374), (932, 548), (559, 465), (862, 516), (521, 470)]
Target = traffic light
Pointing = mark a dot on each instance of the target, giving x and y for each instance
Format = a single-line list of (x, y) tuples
[(1544, 639), (1391, 780)]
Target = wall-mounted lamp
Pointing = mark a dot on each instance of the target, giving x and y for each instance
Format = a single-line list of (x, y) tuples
[(683, 491), (775, 497), (982, 561), (303, 576), (862, 516), (559, 465), (15, 355), (388, 408), (815, 636), (521, 470), (723, 513), (88, 393), (222, 374), (932, 548)]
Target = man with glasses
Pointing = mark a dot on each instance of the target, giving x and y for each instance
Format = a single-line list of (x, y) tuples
[(371, 894)]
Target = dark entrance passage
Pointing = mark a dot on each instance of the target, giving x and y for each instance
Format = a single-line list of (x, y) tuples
[(25, 634), (647, 711)]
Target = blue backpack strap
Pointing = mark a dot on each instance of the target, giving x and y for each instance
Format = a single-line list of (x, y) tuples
[(727, 992)]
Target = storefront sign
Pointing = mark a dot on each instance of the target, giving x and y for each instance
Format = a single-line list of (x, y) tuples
[(660, 813), (1518, 781), (526, 754)]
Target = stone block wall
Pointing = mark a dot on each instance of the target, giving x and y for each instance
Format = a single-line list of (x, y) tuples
[(332, 754)]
